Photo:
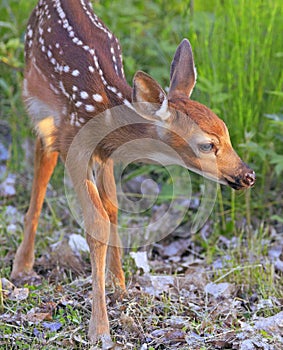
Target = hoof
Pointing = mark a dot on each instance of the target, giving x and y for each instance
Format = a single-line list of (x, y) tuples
[(118, 294), (22, 278), (104, 341)]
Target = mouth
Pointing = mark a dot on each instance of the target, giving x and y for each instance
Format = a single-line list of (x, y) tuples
[(235, 185), (246, 180)]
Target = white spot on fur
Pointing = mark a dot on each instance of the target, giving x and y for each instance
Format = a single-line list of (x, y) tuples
[(30, 33), (84, 95), (97, 98), (75, 73), (62, 88), (89, 108), (73, 118), (128, 104)]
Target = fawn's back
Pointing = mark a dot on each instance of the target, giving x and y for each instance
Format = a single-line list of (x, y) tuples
[(72, 72)]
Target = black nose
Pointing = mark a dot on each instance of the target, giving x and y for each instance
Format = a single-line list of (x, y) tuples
[(250, 178)]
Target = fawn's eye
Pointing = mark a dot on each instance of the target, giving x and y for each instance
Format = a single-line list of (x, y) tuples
[(206, 147)]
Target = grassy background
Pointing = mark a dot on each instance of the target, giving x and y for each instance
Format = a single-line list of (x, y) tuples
[(238, 53)]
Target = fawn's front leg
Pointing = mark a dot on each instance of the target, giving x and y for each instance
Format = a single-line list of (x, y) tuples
[(97, 228), (107, 190), (44, 164)]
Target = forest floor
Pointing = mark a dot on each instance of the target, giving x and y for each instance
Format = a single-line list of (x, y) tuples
[(186, 291)]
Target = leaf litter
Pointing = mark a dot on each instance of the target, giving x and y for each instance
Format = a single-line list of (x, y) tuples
[(163, 309), (171, 301)]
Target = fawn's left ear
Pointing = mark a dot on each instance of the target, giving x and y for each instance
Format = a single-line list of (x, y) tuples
[(183, 72), (149, 99)]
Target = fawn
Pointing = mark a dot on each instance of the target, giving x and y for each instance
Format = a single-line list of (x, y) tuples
[(73, 73)]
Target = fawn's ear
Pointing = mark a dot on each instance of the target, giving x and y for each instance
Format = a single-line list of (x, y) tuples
[(183, 72), (149, 99)]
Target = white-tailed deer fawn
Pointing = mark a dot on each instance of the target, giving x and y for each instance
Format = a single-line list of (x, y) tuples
[(73, 73)]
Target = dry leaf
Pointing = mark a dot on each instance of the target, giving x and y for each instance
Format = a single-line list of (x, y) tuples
[(19, 294), (220, 289), (37, 317), (141, 261), (7, 187)]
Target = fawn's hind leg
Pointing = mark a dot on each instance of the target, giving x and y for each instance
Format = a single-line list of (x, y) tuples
[(44, 164)]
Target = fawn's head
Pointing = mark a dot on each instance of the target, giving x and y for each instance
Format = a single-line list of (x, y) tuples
[(190, 128)]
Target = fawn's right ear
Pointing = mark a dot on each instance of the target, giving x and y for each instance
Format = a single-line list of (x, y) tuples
[(183, 72), (149, 99)]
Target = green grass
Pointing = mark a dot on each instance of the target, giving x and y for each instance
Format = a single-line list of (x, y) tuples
[(237, 53)]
